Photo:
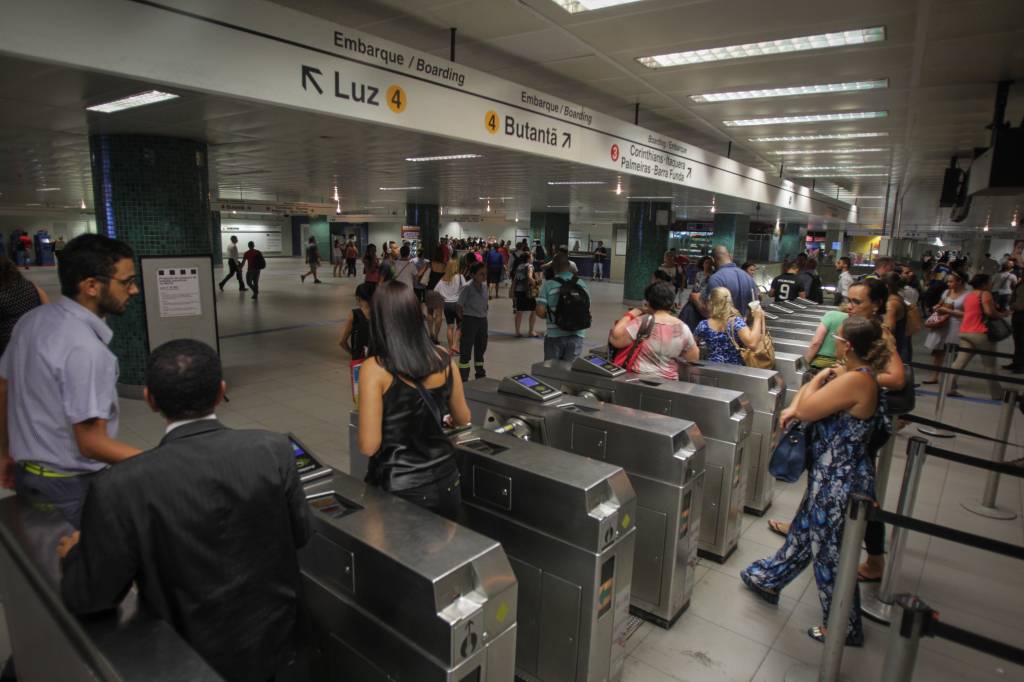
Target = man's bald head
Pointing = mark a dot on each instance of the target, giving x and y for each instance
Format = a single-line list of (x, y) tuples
[(721, 255)]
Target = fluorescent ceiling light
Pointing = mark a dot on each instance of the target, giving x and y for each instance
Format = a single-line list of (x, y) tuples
[(810, 138), (138, 100), (807, 118), (767, 47), (838, 150), (835, 168), (664, 198), (574, 6), (554, 206), (397, 189), (841, 174), (48, 189), (494, 198), (449, 157), (576, 182), (792, 91)]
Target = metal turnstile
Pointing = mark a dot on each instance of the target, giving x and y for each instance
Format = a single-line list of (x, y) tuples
[(805, 304), (568, 524), (793, 368), (723, 416), (665, 460), (780, 330), (49, 643), (395, 592), (766, 391), (796, 323), (787, 313)]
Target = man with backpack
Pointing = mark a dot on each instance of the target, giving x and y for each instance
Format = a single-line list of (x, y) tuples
[(255, 263), (810, 282), (564, 301)]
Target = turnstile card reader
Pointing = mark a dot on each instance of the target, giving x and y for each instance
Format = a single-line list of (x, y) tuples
[(309, 467), (723, 416), (568, 524), (395, 592), (596, 364), (766, 390), (665, 460), (527, 386)]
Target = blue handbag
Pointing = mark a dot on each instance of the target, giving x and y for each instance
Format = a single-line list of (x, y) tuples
[(791, 456)]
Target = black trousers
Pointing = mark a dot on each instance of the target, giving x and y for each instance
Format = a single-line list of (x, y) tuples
[(233, 271), (1018, 338), (350, 266), (252, 278), (472, 346)]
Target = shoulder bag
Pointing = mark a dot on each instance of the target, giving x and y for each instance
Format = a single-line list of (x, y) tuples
[(792, 454), (762, 357), (626, 357), (998, 328)]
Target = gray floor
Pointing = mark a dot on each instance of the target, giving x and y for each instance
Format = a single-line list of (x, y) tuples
[(286, 372)]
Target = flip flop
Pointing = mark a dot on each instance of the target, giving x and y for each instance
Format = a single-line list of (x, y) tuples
[(818, 635), (775, 526)]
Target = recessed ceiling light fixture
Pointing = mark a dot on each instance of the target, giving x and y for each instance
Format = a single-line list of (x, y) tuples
[(574, 6), (841, 174), (807, 118), (836, 168), (792, 91), (819, 41), (449, 157), (397, 189), (48, 189), (838, 150), (138, 100), (576, 182), (811, 138)]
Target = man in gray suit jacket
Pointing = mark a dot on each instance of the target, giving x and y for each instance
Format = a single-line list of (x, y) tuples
[(208, 524)]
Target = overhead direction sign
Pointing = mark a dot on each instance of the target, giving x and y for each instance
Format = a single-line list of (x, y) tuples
[(261, 51)]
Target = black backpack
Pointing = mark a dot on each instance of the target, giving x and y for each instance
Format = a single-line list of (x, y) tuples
[(522, 275), (815, 293), (261, 262), (573, 311)]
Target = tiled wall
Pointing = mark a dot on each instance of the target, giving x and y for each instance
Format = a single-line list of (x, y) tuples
[(152, 192)]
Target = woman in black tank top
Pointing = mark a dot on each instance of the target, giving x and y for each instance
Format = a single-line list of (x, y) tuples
[(406, 388), (17, 297)]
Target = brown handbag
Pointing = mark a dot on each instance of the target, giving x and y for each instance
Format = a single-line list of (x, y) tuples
[(762, 357)]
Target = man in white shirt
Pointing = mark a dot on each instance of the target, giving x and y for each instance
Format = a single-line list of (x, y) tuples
[(234, 266), (845, 280), (1003, 283)]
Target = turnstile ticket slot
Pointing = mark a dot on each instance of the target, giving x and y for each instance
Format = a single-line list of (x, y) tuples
[(684, 514), (648, 382), (492, 488), (483, 447), (588, 441), (333, 505), (579, 409), (335, 563)]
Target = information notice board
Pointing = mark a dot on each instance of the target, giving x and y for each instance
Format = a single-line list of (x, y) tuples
[(179, 299)]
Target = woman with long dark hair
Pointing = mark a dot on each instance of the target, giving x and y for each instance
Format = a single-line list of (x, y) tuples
[(406, 387), (17, 297), (844, 406), (371, 265)]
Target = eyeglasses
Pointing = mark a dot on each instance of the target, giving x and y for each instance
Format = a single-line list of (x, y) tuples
[(127, 282)]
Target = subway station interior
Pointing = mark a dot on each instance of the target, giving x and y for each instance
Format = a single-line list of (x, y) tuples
[(608, 523)]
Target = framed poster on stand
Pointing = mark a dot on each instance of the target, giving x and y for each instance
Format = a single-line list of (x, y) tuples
[(179, 299)]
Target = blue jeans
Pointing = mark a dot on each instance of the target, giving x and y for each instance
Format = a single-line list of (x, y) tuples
[(563, 347)]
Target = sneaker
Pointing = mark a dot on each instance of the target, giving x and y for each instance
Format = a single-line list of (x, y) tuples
[(221, 285), (317, 281)]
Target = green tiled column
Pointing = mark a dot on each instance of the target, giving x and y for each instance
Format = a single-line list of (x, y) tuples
[(320, 228), (426, 217), (646, 242), (152, 192), (732, 231), (792, 240), (553, 229)]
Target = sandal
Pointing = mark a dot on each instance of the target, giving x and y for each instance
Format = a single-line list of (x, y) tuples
[(776, 526), (818, 635), (767, 595), (518, 335)]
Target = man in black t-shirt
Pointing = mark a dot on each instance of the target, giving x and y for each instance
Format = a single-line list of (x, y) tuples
[(787, 286), (600, 254)]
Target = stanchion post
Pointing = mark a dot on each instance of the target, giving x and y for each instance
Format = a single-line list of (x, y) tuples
[(882, 471), (878, 606), (987, 505), (945, 383), (910, 616), (842, 596)]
